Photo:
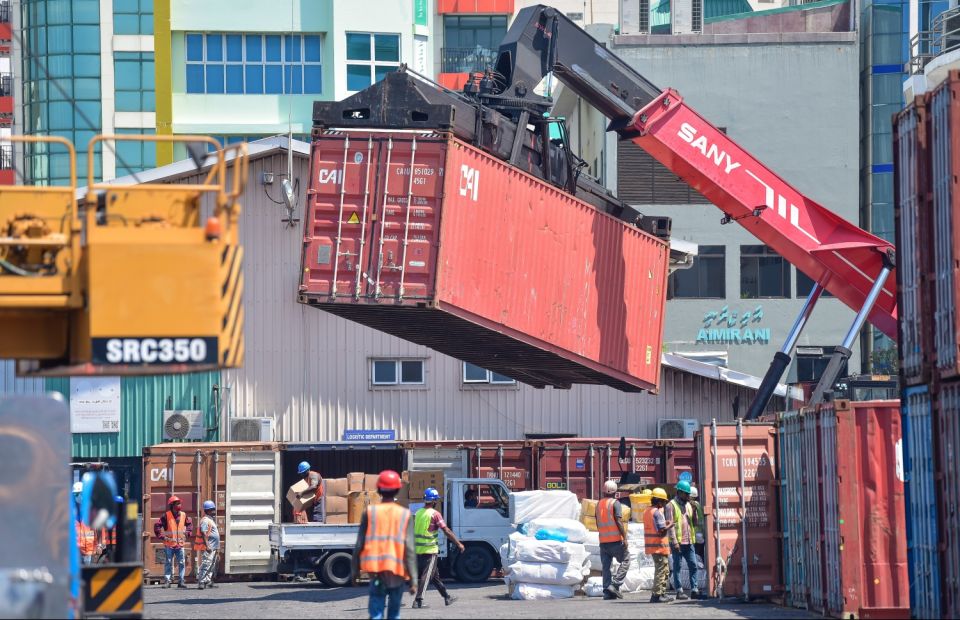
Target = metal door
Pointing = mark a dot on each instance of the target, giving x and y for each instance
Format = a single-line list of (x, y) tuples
[(253, 492)]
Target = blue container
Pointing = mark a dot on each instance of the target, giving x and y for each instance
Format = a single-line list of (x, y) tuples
[(921, 502)]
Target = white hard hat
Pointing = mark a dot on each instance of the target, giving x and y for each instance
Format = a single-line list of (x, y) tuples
[(78, 487), (693, 492), (609, 486)]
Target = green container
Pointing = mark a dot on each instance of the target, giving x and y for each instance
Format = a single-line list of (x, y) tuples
[(143, 401)]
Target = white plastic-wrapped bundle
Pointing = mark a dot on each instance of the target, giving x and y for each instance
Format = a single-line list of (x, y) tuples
[(533, 550), (540, 592), (594, 559), (593, 587), (508, 550), (638, 578), (529, 505), (549, 573), (575, 531)]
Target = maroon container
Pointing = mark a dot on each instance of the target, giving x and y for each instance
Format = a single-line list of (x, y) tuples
[(913, 214), (948, 495), (427, 238)]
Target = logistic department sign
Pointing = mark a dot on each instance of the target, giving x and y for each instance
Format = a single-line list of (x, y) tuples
[(374, 435), (727, 326)]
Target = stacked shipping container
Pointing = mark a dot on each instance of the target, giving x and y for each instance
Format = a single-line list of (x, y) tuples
[(927, 162)]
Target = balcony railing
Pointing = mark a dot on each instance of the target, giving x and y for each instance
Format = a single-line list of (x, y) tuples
[(466, 59), (5, 12), (943, 37), (6, 85)]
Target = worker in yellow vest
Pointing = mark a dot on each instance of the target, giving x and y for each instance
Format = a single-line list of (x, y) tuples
[(656, 534), (613, 541), (683, 537), (427, 525), (386, 550)]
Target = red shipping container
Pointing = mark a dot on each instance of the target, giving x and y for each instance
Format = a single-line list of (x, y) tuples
[(913, 214), (947, 483), (742, 520), (841, 469), (480, 261)]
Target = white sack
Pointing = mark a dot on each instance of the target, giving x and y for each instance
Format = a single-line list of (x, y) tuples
[(576, 532), (533, 550), (545, 573), (594, 587), (592, 540), (540, 592), (594, 559), (528, 505), (638, 579)]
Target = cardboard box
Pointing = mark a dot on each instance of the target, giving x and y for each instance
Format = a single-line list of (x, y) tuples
[(588, 514), (336, 486), (420, 481), (355, 482), (589, 522), (588, 508), (299, 505), (358, 501), (338, 519), (370, 482), (336, 505)]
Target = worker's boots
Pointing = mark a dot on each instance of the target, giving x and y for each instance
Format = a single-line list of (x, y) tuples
[(681, 596), (450, 600), (166, 583), (614, 591), (656, 598)]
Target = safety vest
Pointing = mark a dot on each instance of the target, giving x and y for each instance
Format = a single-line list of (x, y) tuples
[(86, 539), (606, 524), (176, 533), (677, 516), (653, 543), (427, 542), (386, 535), (199, 540)]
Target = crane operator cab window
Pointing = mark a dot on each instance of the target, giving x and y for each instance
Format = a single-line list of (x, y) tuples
[(486, 497)]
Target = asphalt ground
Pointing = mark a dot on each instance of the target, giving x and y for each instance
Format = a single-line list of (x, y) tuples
[(489, 600)]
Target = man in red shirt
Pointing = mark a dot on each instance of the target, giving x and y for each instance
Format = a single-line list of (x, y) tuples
[(174, 528)]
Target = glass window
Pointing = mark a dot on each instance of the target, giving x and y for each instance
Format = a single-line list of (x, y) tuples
[(195, 47), (370, 57), (397, 372), (805, 285), (706, 279), (470, 42), (235, 79), (254, 79), (384, 372), (254, 48), (195, 82), (474, 374), (274, 79), (134, 80), (234, 48), (311, 48), (215, 79), (273, 48), (763, 273), (132, 16), (411, 371), (214, 47)]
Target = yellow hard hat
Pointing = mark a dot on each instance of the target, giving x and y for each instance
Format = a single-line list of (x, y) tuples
[(660, 494)]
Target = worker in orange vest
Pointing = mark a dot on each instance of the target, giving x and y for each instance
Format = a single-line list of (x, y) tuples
[(87, 543), (174, 528), (386, 549), (656, 534), (613, 541)]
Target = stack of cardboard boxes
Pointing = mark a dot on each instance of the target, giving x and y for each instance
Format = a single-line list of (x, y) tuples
[(347, 498)]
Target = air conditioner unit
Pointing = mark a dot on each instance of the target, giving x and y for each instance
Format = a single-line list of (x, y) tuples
[(183, 425), (251, 429), (677, 428)]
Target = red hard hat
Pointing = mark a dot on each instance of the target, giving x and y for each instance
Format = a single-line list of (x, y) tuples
[(389, 480), (173, 499)]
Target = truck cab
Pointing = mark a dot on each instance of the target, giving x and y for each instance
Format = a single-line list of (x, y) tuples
[(478, 512)]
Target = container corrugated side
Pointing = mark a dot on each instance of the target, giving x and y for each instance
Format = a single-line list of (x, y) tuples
[(948, 476), (440, 244), (143, 401), (914, 233), (920, 495), (945, 172), (745, 557), (792, 480)]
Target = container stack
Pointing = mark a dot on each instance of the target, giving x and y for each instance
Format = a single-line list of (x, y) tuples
[(927, 169)]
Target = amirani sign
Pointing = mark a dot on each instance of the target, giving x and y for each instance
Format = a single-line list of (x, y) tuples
[(727, 327)]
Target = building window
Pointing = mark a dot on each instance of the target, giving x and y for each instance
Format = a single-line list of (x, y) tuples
[(397, 372), (471, 42), (805, 285), (763, 273), (475, 375), (135, 156), (132, 16), (707, 279), (253, 64), (134, 82), (370, 57)]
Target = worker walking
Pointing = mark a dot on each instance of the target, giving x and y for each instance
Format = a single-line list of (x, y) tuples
[(682, 539), (86, 535), (207, 544), (427, 525), (315, 487), (385, 549), (613, 541), (174, 528), (656, 534)]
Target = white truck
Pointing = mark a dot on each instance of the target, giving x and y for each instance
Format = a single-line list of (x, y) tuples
[(482, 527)]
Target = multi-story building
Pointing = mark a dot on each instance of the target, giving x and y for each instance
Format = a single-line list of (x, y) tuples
[(85, 67), (241, 74), (7, 174)]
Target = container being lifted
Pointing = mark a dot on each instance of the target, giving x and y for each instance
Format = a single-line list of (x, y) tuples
[(425, 237)]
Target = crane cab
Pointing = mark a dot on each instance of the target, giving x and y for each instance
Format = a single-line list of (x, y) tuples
[(130, 279)]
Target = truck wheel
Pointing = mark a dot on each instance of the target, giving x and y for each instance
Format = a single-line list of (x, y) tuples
[(336, 570), (474, 565)]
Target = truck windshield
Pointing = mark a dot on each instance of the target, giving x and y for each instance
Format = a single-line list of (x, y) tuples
[(486, 496)]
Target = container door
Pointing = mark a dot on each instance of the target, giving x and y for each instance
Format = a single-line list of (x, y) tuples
[(399, 264), (948, 457), (253, 491), (451, 461), (792, 478), (742, 520)]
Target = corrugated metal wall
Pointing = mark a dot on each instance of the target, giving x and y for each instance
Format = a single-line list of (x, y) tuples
[(10, 384), (141, 415), (309, 370)]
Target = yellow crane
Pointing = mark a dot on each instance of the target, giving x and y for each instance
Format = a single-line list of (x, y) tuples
[(126, 280)]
